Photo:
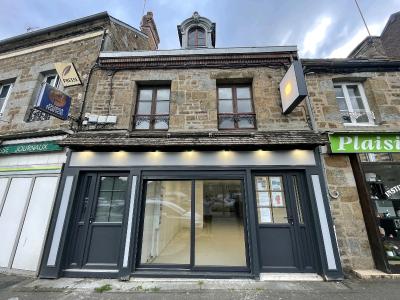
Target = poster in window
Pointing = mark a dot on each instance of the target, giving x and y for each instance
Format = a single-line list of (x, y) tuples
[(277, 199), (263, 199), (276, 183), (262, 183), (265, 215)]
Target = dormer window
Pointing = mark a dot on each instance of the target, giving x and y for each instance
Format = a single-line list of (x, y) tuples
[(197, 37), (197, 32)]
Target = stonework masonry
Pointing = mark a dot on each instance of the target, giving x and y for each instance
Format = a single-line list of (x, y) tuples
[(382, 90), (193, 105), (27, 70)]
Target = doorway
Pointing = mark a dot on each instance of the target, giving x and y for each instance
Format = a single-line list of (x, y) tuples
[(97, 224), (285, 231)]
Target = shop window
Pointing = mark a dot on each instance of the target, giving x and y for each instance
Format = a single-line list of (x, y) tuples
[(5, 91), (215, 223), (375, 157), (383, 183), (152, 108), (197, 37), (235, 107), (353, 104), (36, 115)]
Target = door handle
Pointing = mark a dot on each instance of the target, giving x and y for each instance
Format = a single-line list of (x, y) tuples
[(91, 220), (290, 220)]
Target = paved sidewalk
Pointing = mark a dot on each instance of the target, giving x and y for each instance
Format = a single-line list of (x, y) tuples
[(21, 288)]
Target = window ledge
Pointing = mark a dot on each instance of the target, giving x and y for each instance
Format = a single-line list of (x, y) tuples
[(359, 125)]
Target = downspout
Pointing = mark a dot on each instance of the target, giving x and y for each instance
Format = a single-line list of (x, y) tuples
[(96, 64), (315, 129)]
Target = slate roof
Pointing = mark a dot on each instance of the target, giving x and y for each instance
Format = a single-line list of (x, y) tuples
[(275, 139)]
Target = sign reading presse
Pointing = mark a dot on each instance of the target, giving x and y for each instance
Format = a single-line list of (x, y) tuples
[(364, 143), (293, 87), (67, 74), (53, 102)]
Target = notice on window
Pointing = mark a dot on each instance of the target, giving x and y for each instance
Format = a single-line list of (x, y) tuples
[(264, 199), (265, 215), (276, 183), (277, 199), (262, 183)]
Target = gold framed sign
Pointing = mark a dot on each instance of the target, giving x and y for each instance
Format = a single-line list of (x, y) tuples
[(67, 74)]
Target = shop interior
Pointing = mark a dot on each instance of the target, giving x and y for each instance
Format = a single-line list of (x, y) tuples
[(219, 238)]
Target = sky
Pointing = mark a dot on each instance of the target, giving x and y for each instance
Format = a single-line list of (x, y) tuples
[(319, 28)]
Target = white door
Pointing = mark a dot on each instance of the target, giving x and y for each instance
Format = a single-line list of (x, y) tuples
[(33, 234), (11, 217)]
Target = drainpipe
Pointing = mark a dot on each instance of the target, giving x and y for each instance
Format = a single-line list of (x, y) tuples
[(96, 64), (314, 127)]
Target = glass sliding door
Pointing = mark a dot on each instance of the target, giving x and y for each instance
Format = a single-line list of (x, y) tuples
[(219, 228), (167, 221), (193, 224)]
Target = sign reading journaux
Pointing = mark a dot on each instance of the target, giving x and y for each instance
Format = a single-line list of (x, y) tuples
[(293, 87), (68, 74), (53, 102), (364, 143)]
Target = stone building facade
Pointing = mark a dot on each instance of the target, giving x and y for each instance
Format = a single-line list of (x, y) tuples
[(356, 229), (216, 179), (31, 161)]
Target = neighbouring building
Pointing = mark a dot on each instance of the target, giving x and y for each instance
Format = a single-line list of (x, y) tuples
[(386, 45), (198, 172), (357, 102), (30, 159)]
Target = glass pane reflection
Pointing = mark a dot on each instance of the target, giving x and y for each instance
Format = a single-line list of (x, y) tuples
[(166, 227), (219, 238)]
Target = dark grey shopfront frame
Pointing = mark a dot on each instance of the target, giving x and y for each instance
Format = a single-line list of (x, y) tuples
[(55, 271)]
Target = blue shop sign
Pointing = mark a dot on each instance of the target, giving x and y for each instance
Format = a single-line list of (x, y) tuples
[(53, 102)]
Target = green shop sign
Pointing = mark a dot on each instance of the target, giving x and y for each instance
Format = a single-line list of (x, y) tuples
[(29, 148), (363, 143)]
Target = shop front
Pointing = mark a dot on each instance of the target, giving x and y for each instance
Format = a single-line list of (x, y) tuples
[(191, 214), (30, 170), (375, 161)]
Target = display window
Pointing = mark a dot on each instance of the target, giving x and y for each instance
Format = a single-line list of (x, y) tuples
[(382, 177)]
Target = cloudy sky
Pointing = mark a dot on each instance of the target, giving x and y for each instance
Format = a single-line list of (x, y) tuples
[(320, 28)]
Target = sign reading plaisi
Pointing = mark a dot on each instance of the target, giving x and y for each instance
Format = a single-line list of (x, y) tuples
[(67, 74), (293, 87), (364, 143)]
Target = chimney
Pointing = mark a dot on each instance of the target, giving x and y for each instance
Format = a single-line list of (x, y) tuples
[(149, 28)]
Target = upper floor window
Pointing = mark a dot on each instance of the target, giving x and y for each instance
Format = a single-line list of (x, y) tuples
[(53, 80), (5, 91), (235, 107), (152, 108), (36, 115), (353, 104), (197, 37)]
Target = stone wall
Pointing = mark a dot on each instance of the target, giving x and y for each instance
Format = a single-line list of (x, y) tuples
[(27, 72), (382, 91), (193, 105), (383, 94), (124, 39), (354, 248)]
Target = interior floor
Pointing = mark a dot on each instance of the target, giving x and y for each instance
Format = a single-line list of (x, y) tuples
[(219, 242)]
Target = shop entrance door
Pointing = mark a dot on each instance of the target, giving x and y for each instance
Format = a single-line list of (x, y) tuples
[(285, 236), (96, 227)]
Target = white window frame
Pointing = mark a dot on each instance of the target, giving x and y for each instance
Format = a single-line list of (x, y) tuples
[(7, 96), (370, 114), (57, 80)]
